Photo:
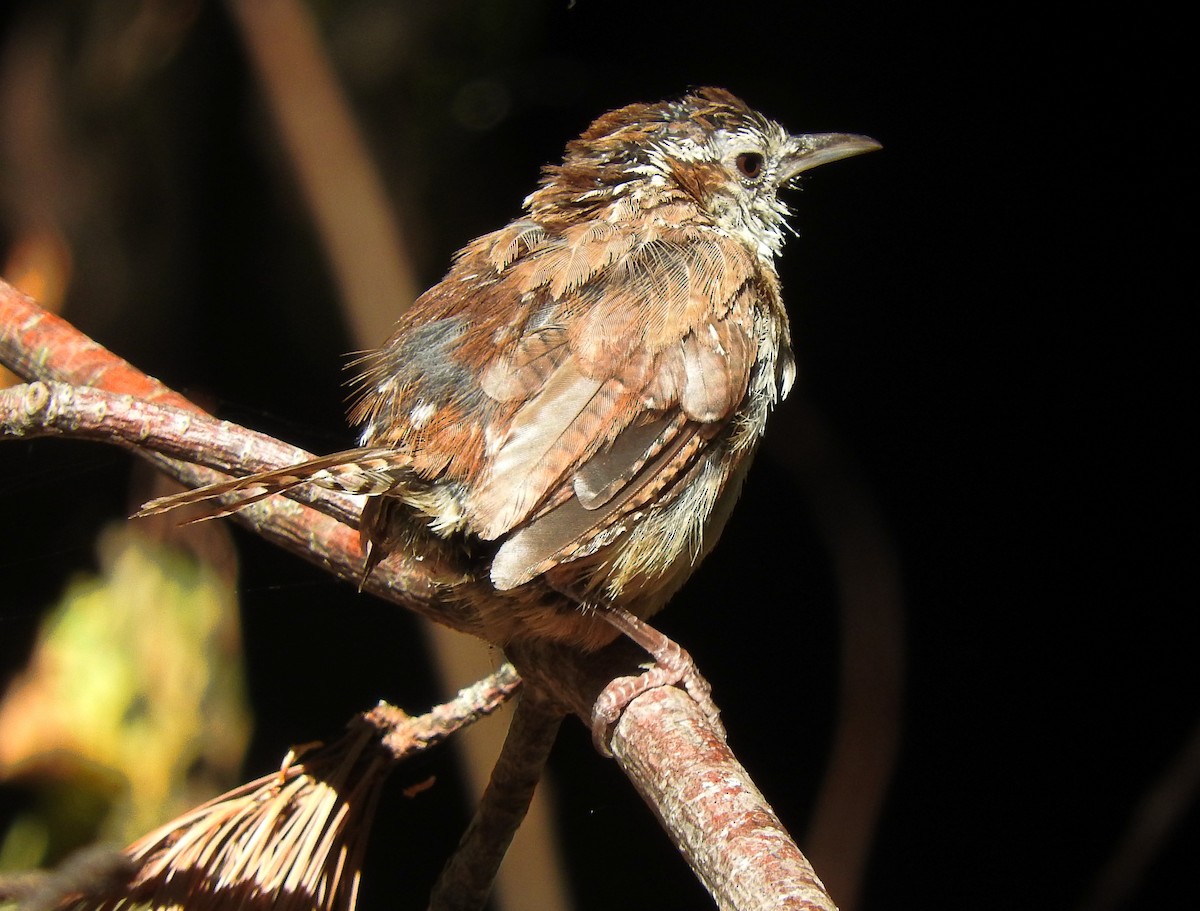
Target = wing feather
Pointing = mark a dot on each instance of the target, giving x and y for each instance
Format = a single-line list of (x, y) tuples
[(571, 531), (626, 348)]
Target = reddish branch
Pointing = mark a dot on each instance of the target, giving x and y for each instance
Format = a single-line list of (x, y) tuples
[(466, 881), (704, 798)]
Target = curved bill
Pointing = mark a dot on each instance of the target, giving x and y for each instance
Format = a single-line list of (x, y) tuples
[(813, 149)]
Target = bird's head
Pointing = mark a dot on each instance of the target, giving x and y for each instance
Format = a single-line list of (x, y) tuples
[(708, 147)]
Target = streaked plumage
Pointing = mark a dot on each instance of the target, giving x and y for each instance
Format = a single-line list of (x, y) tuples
[(579, 398)]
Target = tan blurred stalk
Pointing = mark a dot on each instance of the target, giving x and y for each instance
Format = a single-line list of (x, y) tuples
[(334, 170), (38, 259), (366, 249), (39, 263)]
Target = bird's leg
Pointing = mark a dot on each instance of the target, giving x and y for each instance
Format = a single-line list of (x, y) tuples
[(672, 665)]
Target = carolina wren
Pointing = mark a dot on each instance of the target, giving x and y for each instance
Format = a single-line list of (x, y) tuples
[(576, 403)]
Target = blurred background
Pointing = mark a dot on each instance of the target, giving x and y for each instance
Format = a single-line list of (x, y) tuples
[(947, 624)]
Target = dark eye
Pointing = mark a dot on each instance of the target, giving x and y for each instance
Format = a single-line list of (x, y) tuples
[(750, 164)]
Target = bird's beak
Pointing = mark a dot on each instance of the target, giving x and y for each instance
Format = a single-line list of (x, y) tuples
[(814, 149)]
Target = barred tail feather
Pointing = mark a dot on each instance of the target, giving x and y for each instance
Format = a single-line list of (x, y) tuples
[(356, 471)]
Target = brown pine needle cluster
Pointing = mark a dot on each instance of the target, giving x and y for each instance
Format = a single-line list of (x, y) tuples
[(294, 839)]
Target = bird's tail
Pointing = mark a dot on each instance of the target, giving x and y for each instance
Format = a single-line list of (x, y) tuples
[(356, 471)]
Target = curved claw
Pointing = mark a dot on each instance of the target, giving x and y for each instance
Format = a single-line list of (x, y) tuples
[(673, 665)]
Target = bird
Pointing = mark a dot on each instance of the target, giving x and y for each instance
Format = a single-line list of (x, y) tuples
[(572, 409)]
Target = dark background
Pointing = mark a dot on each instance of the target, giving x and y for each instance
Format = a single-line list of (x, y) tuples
[(988, 316)]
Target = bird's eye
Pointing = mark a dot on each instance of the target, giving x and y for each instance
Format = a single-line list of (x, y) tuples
[(750, 164)]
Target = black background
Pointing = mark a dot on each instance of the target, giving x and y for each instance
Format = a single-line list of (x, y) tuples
[(988, 315)]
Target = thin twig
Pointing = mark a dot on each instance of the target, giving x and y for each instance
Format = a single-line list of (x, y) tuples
[(94, 870), (1158, 814), (87, 413), (466, 880), (41, 346)]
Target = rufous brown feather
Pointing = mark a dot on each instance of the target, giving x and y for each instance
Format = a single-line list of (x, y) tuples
[(577, 401)]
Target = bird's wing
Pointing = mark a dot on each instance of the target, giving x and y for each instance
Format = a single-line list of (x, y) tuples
[(629, 356)]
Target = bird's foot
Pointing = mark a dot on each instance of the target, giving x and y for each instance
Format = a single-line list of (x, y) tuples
[(672, 665)]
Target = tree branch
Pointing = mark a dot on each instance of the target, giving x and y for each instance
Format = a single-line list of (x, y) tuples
[(466, 881), (665, 745)]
